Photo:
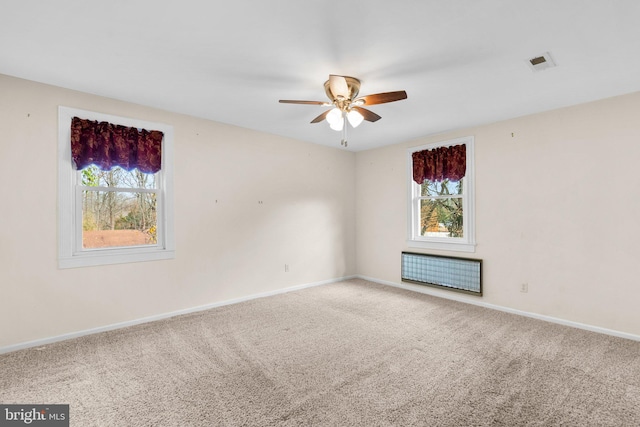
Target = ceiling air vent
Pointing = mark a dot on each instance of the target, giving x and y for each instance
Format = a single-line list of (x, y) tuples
[(541, 62)]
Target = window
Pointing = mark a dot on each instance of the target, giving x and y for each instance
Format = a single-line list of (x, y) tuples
[(118, 208), (441, 202), (108, 214)]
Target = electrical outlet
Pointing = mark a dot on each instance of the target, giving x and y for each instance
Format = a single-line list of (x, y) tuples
[(286, 268), (524, 287)]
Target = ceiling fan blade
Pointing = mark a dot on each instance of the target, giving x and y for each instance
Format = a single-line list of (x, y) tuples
[(381, 98), (368, 115), (338, 86), (321, 117), (290, 101)]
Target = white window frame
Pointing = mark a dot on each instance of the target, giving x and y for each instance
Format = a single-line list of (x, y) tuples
[(70, 251), (466, 243)]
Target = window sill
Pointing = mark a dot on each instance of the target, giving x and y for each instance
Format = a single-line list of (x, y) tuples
[(117, 257), (445, 246)]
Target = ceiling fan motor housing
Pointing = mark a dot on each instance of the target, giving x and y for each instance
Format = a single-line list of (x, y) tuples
[(353, 86)]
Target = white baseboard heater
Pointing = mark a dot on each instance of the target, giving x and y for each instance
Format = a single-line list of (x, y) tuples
[(456, 274)]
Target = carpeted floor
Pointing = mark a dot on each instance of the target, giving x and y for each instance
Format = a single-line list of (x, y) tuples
[(353, 353)]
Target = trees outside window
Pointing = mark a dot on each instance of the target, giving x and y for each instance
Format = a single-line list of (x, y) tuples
[(441, 209), (119, 208)]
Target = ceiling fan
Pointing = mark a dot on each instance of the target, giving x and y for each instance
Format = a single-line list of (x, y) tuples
[(347, 106)]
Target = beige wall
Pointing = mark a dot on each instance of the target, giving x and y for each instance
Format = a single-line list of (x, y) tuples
[(557, 207), (225, 250)]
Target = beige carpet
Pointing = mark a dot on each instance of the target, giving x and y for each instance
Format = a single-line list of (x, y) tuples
[(353, 353)]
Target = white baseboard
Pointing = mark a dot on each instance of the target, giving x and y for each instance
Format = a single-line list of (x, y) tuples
[(50, 340), (425, 290), (457, 297)]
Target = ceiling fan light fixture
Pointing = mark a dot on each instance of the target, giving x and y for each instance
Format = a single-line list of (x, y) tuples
[(338, 125), (334, 116), (355, 118)]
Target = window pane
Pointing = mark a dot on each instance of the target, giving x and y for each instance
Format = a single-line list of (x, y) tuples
[(117, 177), (114, 218), (441, 217), (446, 187)]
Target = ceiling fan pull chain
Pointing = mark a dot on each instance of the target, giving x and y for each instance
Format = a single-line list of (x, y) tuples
[(344, 131)]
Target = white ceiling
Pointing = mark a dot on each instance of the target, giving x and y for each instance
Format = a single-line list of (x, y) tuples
[(462, 62)]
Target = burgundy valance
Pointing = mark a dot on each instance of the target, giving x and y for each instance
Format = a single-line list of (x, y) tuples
[(440, 163), (107, 145)]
